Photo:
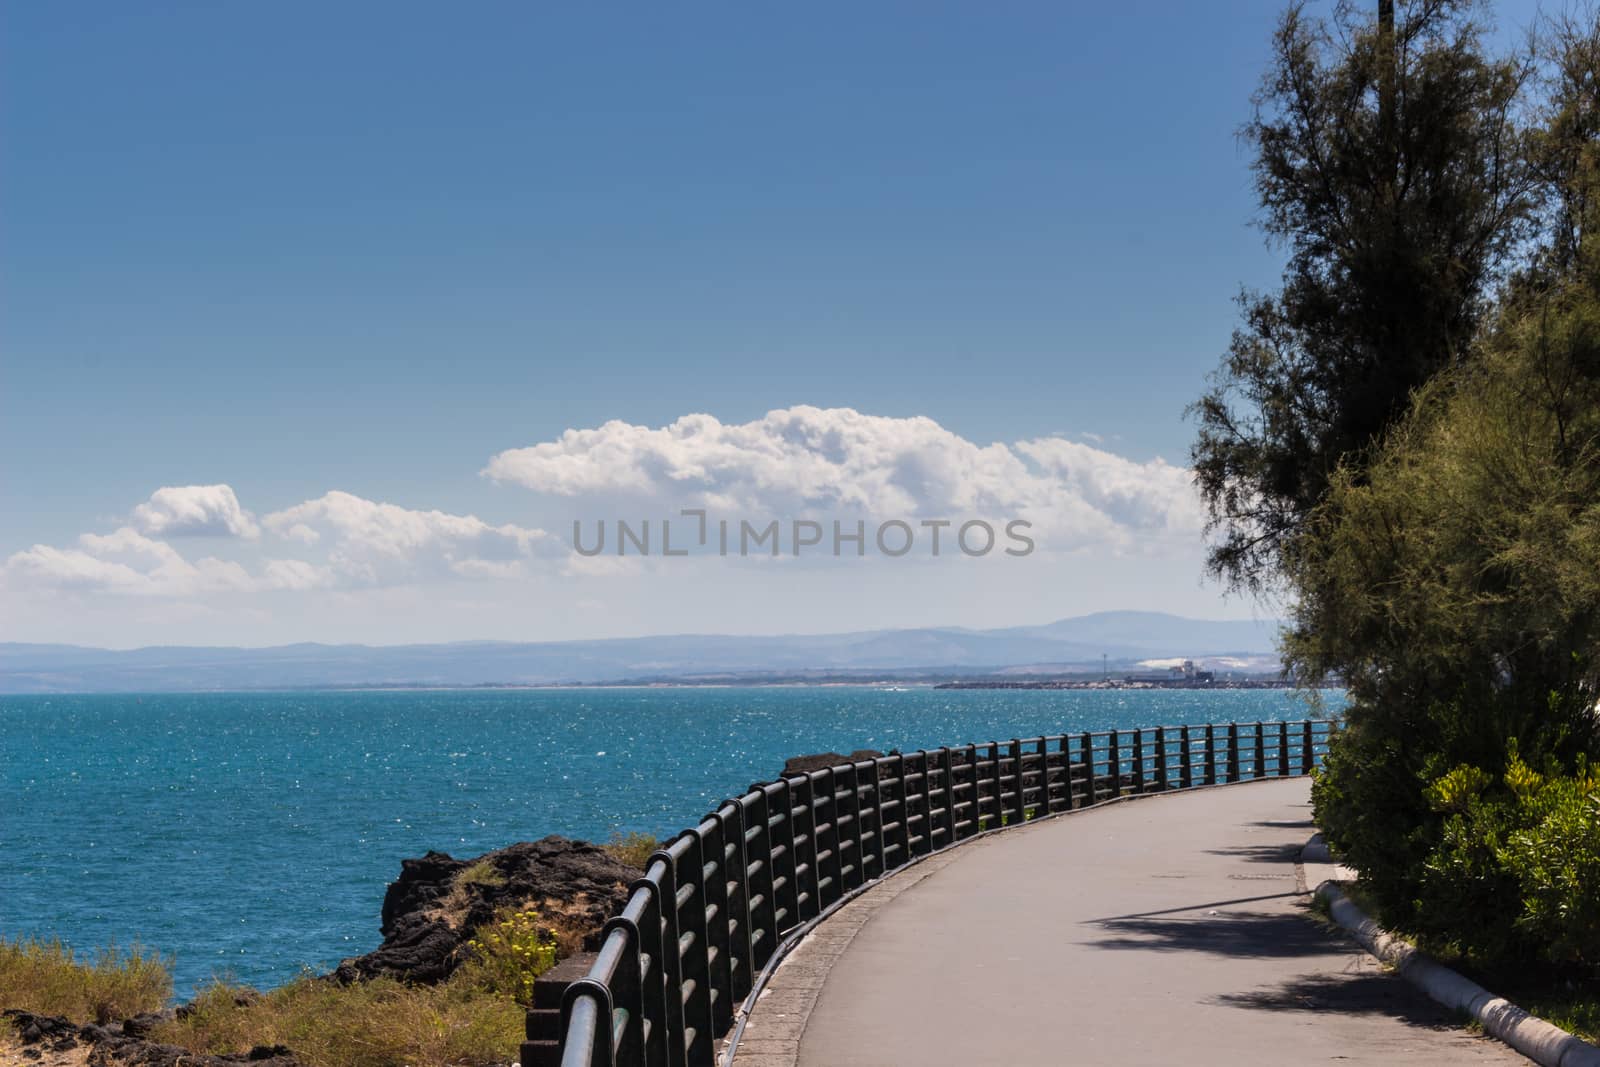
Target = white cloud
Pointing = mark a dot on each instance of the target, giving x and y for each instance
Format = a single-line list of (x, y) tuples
[(124, 561), (1154, 496), (806, 460), (360, 543), (194, 510), (791, 463), (372, 543)]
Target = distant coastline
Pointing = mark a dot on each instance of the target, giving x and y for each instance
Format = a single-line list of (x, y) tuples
[(1116, 683), (1085, 648)]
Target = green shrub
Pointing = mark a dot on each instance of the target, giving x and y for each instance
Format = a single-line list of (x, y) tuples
[(1556, 860), (509, 954), (1509, 868)]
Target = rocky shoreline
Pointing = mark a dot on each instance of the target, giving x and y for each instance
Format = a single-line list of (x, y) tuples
[(429, 913), (49, 1040)]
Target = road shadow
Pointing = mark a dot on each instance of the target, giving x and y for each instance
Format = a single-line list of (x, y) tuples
[(1348, 994), (1235, 934), (1282, 854)]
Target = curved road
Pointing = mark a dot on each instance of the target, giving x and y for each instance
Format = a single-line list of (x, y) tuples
[(1167, 930)]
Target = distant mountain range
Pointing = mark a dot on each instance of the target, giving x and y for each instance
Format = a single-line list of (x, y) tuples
[(1125, 638)]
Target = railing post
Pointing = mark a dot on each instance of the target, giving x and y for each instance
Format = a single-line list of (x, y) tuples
[(1065, 804), (1283, 748), (916, 803), (1210, 777), (1114, 758), (847, 823), (1019, 810), (1260, 763), (1308, 748), (735, 885), (1086, 750), (786, 891), (589, 998), (804, 817), (1164, 774), (671, 959), (653, 983), (1138, 759), (825, 808), (627, 995), (997, 783), (969, 757), (1042, 749), (947, 773), (697, 1009), (905, 812), (908, 808), (874, 768), (1186, 770), (762, 902), (1233, 752), (719, 954)]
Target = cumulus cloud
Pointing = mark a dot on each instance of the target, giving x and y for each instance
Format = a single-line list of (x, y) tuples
[(371, 543), (194, 511), (358, 543), (125, 561), (804, 460), (791, 463)]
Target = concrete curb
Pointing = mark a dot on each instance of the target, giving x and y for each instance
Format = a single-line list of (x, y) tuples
[(1540, 1041)]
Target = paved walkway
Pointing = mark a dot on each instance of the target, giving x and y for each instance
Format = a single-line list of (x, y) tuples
[(1167, 930)]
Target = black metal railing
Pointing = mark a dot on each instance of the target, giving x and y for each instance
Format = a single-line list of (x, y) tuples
[(718, 900)]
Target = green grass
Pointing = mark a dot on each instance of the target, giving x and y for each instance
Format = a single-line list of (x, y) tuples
[(481, 873), (49, 978), (632, 848), (474, 1018), (379, 1023)]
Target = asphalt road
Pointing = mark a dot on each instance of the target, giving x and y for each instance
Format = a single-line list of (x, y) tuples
[(1170, 930)]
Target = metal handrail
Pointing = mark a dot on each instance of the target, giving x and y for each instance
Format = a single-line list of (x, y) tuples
[(719, 899)]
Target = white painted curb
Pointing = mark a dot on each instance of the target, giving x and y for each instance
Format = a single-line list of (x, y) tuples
[(1542, 1042)]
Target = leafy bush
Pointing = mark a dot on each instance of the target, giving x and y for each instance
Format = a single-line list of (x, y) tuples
[(509, 954), (47, 977), (1502, 866), (1557, 863)]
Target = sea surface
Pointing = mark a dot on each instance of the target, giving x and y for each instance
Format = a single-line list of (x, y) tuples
[(252, 834)]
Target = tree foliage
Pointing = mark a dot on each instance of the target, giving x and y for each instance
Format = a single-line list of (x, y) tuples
[(1390, 162), (1451, 578)]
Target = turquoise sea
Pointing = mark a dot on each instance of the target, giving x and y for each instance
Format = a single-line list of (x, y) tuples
[(252, 834)]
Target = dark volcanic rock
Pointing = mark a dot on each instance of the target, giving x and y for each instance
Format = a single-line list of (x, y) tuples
[(127, 1053), (55, 1032), (111, 1048), (823, 760), (140, 1025), (430, 910)]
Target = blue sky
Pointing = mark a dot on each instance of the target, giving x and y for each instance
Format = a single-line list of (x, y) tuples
[(362, 247)]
